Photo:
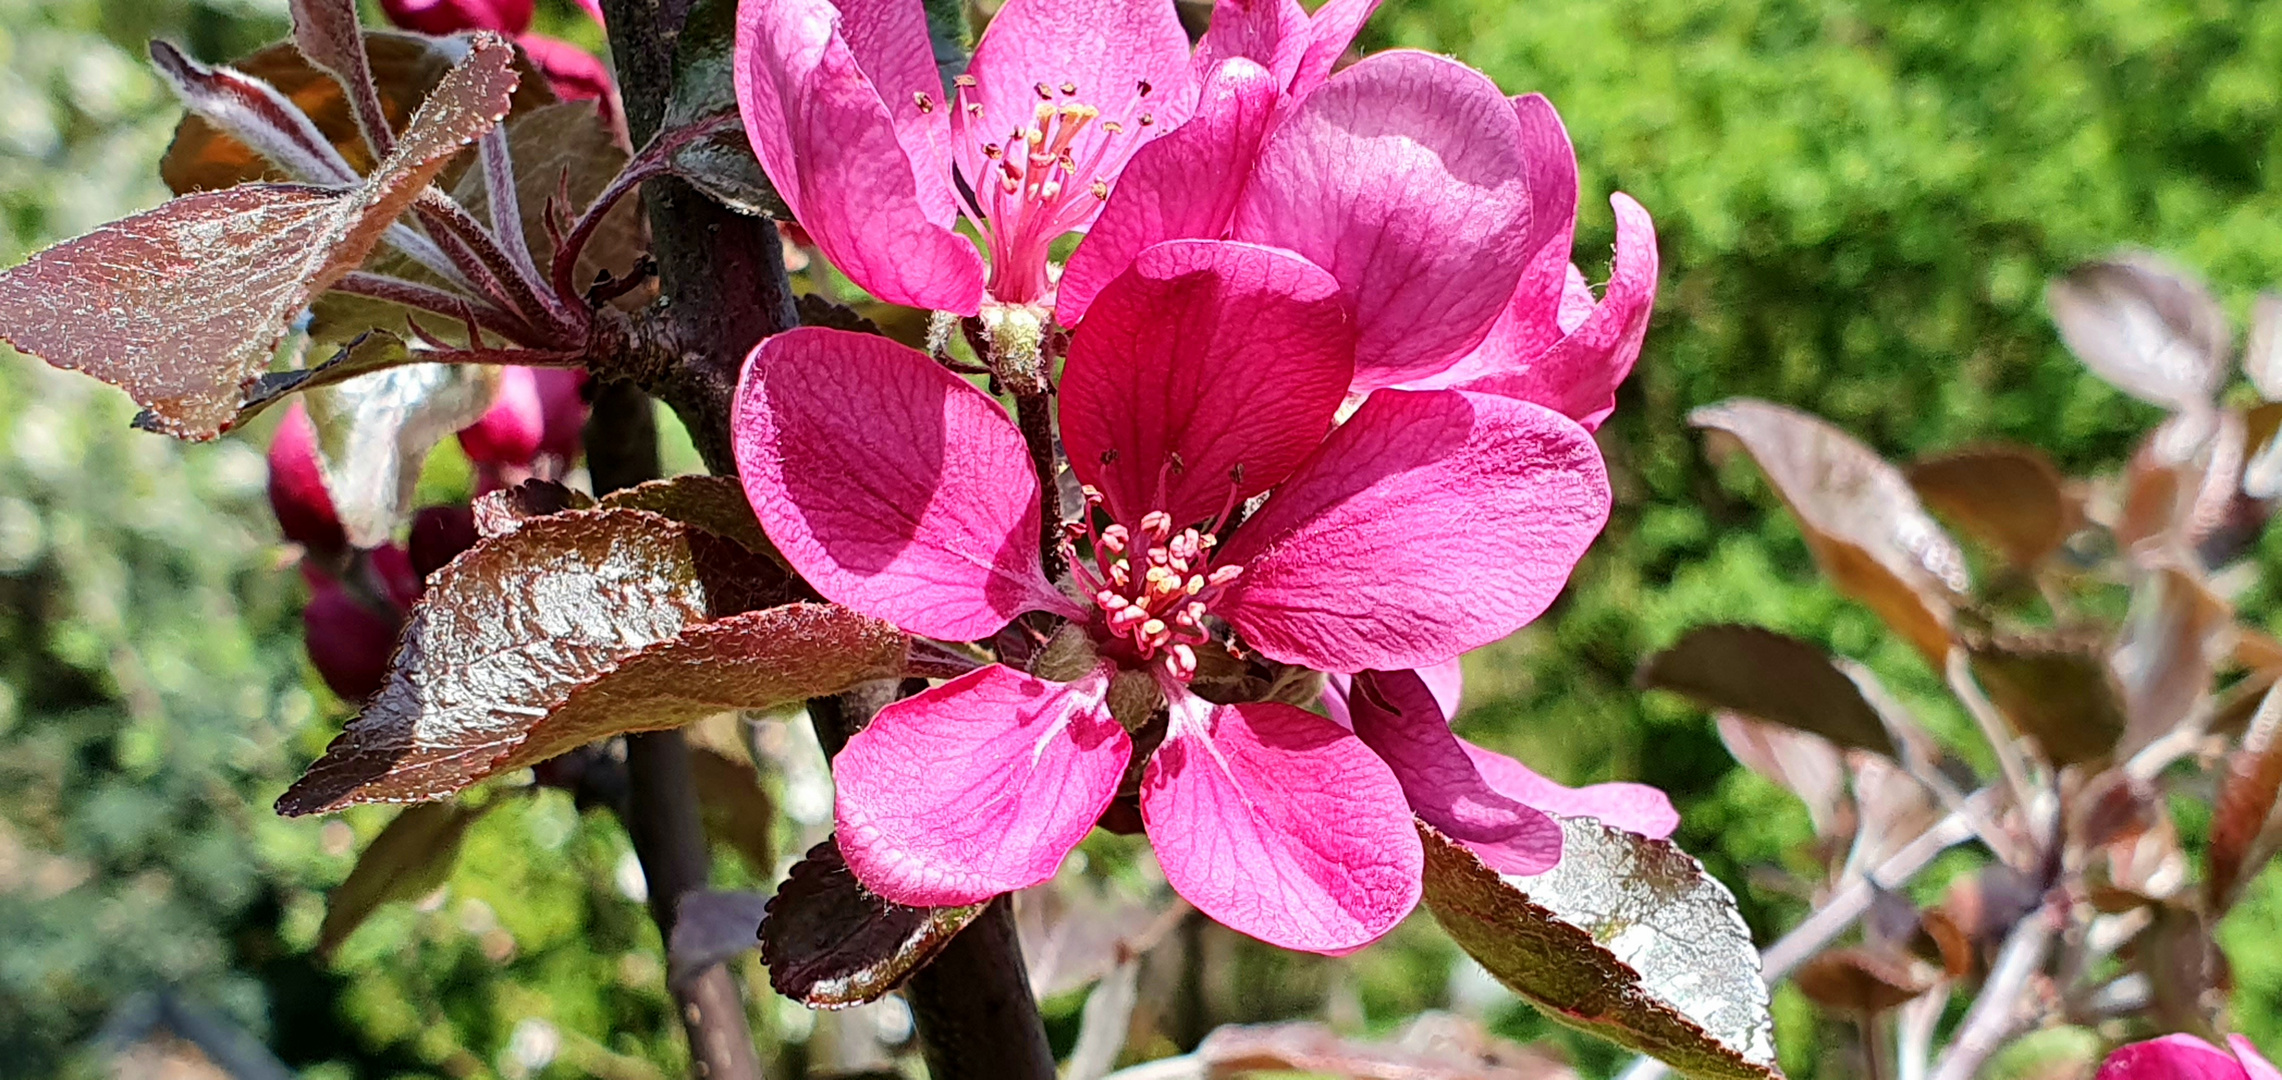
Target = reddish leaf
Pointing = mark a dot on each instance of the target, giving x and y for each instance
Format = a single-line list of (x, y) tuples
[(2055, 689), (2011, 497), (829, 943), (1865, 526), (183, 305), (736, 807), (1861, 980), (2146, 326), (206, 156), (256, 114), (1808, 766), (1772, 677), (1627, 939), (577, 626), (500, 512), (327, 32), (716, 504), (2173, 640), (410, 858), (2248, 789)]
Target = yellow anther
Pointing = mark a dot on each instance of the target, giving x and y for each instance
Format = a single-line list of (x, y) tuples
[(1100, 190), (926, 104), (1069, 89), (1044, 93), (963, 80), (1153, 628), (1113, 127)]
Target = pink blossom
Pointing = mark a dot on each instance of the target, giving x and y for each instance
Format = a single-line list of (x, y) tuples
[(297, 492), (847, 112), (537, 412), (1481, 798), (573, 73), (1445, 210), (2185, 1057), (1208, 373)]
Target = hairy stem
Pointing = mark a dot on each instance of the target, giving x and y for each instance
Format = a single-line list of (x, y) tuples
[(1997, 1014)]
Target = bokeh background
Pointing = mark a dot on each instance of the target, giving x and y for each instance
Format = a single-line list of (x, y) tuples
[(1859, 203)]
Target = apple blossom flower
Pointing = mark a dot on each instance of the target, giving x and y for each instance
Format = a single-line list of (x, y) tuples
[(2185, 1057), (1445, 210), (1208, 375), (1487, 801), (849, 116)]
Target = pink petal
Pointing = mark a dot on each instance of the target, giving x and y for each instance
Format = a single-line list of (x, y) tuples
[(509, 432), (1276, 823), (1397, 717), (2254, 1064), (1446, 681), (1329, 34), (1532, 318), (890, 43), (1578, 375), (977, 787), (1183, 185), (1635, 808), (1429, 524), (442, 17), (1403, 177), (593, 9), (890, 484), (1107, 49), (297, 492), (574, 74), (1208, 371), (830, 145), (2172, 1057), (1274, 34)]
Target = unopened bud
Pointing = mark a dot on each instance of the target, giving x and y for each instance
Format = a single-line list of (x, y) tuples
[(297, 486), (348, 643)]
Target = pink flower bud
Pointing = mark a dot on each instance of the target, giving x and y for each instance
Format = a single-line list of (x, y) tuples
[(509, 17), (438, 534), (393, 566), (574, 73), (348, 642), (510, 432), (562, 400), (297, 486)]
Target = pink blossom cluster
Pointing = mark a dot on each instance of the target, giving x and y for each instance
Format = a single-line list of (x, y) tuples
[(1328, 396)]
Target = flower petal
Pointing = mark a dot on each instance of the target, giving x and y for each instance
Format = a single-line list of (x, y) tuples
[(1427, 525), (1636, 808), (2254, 1064), (1396, 716), (1446, 681), (1272, 33), (1404, 178), (1330, 32), (831, 147), (1181, 186), (890, 484), (2172, 1057), (1109, 50), (890, 43), (1276, 823), (1207, 368), (977, 787), (1578, 375)]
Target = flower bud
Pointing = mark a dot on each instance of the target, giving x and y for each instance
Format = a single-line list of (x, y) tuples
[(297, 486), (510, 432), (348, 642), (562, 402), (440, 533)]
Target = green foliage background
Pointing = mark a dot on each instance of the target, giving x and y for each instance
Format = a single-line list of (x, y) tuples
[(1859, 203)]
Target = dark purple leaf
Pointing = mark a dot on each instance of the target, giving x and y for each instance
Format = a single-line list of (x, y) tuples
[(2145, 325), (1771, 677), (183, 305), (1864, 524), (575, 627), (2010, 497), (500, 512), (256, 114), (716, 504), (410, 858), (2055, 688), (2248, 788), (830, 944)]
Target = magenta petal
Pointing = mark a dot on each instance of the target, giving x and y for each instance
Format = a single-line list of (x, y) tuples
[(1635, 808), (889, 41), (1395, 714), (1276, 823), (830, 146), (1208, 368), (1446, 681), (2254, 1064), (1403, 177), (1127, 58), (1330, 32), (1429, 524), (890, 484), (1272, 33), (2172, 1057), (977, 787), (1578, 376), (1532, 318), (1183, 185)]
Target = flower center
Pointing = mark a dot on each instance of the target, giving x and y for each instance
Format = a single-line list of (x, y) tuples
[(1153, 586), (1040, 180)]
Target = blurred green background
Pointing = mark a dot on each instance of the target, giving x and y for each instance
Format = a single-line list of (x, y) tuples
[(1858, 206)]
